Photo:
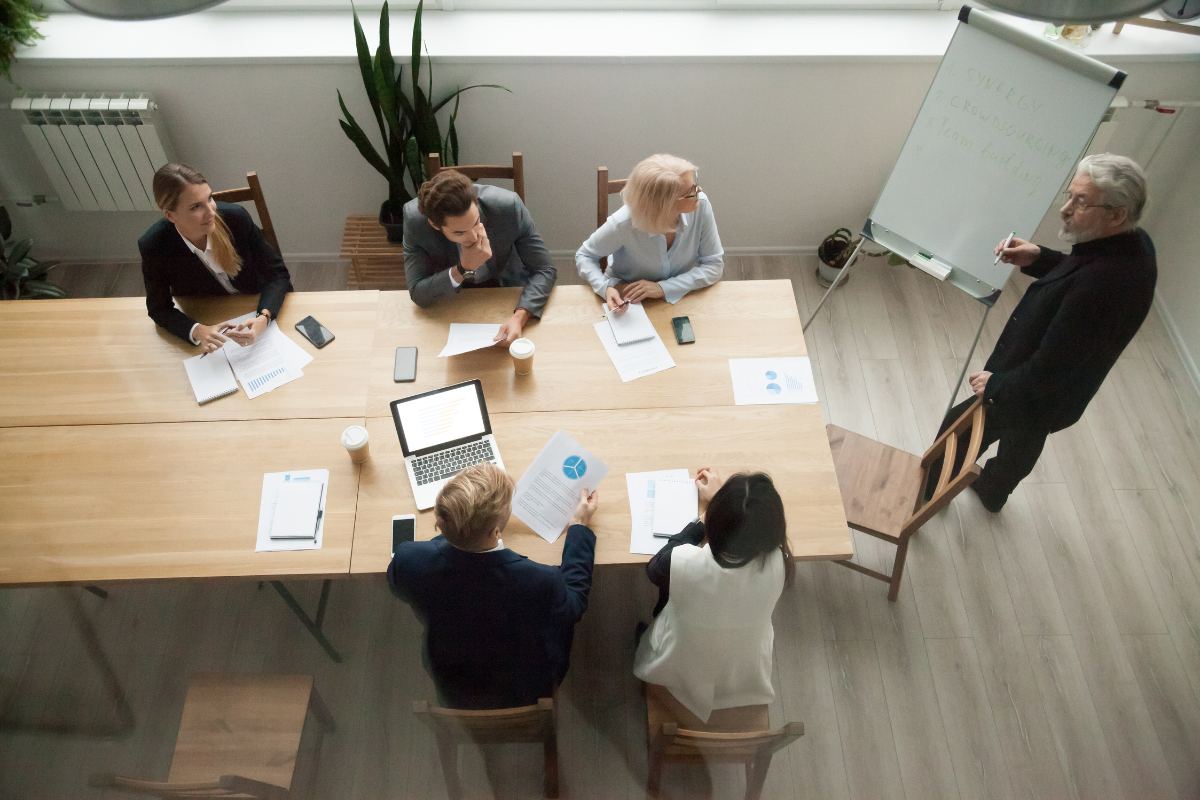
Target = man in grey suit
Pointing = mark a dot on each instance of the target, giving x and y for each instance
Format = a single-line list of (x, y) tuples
[(459, 235)]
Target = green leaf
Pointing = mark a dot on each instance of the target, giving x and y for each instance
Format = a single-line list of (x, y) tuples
[(450, 156), (416, 164), (366, 69), (19, 250), (454, 96), (414, 65), (43, 289), (355, 134), (385, 73), (5, 224)]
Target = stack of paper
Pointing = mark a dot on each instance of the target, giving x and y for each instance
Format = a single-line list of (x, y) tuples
[(649, 512), (291, 513), (467, 336), (632, 343), (269, 363)]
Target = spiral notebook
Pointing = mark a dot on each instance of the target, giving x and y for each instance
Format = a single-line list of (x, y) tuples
[(211, 377)]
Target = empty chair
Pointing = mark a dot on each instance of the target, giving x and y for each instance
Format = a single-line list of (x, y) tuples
[(514, 173), (731, 735), (252, 192), (883, 487), (241, 736), (604, 188), (453, 727)]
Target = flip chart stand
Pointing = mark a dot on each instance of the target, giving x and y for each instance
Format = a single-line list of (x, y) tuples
[(988, 299)]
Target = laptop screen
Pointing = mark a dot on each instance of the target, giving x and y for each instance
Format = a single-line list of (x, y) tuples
[(436, 418)]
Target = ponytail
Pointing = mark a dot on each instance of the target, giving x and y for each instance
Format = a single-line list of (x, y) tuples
[(223, 250)]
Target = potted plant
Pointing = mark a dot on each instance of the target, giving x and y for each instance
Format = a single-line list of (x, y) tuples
[(836, 248), (16, 28), (407, 122), (23, 276)]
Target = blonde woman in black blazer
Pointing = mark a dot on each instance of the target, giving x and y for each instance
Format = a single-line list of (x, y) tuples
[(203, 247)]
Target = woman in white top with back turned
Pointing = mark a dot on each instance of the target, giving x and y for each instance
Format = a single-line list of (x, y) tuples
[(663, 241), (710, 644)]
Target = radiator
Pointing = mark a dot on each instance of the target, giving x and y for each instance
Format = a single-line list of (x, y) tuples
[(100, 153)]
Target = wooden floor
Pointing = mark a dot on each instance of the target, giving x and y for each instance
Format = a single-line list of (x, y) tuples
[(1049, 651)]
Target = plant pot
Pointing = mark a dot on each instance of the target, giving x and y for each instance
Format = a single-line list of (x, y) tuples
[(391, 217), (832, 255), (826, 275)]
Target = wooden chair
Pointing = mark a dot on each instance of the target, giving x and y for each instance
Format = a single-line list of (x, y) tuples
[(492, 726), (240, 736), (731, 735), (252, 192), (604, 188), (515, 173), (883, 487)]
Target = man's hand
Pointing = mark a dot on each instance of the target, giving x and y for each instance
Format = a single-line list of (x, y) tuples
[(510, 331), (979, 382), (612, 296), (638, 291), (586, 508), (476, 255), (247, 333), (1019, 252), (708, 481), (209, 337)]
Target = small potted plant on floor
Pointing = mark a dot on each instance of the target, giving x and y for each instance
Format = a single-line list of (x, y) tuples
[(407, 122), (23, 276)]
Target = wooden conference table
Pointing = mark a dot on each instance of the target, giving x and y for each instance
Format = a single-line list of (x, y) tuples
[(112, 472)]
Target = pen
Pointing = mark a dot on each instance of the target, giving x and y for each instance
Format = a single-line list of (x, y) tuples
[(320, 511), (1004, 247)]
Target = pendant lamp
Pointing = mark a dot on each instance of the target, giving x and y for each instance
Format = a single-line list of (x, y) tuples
[(1064, 11), (140, 9)]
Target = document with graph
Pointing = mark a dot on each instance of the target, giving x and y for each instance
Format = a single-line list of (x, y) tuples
[(772, 381), (548, 492), (269, 363)]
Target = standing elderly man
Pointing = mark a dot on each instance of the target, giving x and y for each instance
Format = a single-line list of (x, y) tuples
[(1071, 325), (460, 235)]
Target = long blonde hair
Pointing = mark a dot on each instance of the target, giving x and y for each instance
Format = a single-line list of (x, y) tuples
[(652, 193), (169, 182)]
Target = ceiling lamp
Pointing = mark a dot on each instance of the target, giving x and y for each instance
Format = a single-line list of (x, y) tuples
[(140, 9), (1075, 10)]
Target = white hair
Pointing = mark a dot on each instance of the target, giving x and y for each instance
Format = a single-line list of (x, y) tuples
[(1120, 179)]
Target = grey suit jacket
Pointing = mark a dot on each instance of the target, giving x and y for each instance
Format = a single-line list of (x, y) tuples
[(428, 255)]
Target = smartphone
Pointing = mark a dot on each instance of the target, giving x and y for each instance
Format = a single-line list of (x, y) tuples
[(405, 369), (314, 331), (404, 528), (683, 330)]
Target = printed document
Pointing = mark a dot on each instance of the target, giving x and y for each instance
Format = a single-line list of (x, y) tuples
[(630, 325), (467, 336), (641, 486), (289, 495), (772, 381), (269, 363), (548, 492), (635, 360)]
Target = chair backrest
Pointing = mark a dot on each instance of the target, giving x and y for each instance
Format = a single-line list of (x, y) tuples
[(944, 450), (754, 749), (604, 188), (226, 786), (514, 173), (252, 192)]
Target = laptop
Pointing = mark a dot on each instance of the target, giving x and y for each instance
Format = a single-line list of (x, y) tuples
[(443, 432)]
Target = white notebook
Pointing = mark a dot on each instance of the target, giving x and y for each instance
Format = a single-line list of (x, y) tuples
[(675, 505), (211, 376), (297, 511), (631, 325)]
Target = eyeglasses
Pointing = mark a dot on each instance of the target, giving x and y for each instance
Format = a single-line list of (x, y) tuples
[(1074, 201), (693, 194)]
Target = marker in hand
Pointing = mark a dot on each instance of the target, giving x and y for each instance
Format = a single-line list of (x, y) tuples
[(1004, 247)]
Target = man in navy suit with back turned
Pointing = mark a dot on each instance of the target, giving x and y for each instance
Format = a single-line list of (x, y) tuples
[(1070, 326), (498, 626)]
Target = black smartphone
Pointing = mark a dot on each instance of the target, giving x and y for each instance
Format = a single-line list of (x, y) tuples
[(405, 369), (314, 331), (404, 528), (683, 330)]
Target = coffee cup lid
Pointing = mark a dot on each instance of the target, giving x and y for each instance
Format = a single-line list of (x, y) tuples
[(521, 347), (354, 436)]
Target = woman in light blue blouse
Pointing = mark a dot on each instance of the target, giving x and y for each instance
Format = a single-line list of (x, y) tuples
[(663, 241)]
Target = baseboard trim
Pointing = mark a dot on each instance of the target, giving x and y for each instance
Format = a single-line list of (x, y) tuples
[(1185, 355), (798, 250)]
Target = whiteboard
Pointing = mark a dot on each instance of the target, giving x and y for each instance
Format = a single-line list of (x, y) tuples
[(1004, 123)]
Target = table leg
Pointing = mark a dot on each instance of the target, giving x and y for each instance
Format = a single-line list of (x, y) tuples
[(313, 625)]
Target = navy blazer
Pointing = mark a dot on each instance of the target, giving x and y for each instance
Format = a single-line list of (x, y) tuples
[(170, 269), (498, 626), (1070, 327)]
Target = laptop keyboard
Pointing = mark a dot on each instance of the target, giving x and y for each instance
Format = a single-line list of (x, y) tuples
[(447, 463)]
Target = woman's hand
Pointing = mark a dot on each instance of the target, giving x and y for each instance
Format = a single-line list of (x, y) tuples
[(638, 291), (708, 481), (586, 508), (209, 337), (612, 296), (246, 333), (1019, 252)]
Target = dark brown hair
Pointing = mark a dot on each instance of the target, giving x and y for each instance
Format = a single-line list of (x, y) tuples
[(744, 522), (447, 194), (169, 182)]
